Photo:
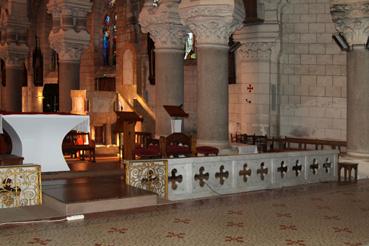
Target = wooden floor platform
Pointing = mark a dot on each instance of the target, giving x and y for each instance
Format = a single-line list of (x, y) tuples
[(93, 194)]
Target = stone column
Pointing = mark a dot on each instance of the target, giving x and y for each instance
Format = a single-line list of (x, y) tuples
[(212, 23), (13, 90), (13, 50), (69, 38), (352, 20), (165, 28)]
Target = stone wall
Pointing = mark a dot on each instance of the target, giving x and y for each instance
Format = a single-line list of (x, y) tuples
[(312, 73)]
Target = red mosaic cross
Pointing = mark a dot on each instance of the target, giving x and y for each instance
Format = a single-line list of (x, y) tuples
[(183, 221), (233, 224), (175, 235), (234, 239), (286, 215), (297, 242), (287, 227), (39, 241), (345, 229), (250, 88), (118, 230)]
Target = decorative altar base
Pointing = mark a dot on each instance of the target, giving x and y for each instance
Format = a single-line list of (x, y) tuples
[(219, 175), (20, 186)]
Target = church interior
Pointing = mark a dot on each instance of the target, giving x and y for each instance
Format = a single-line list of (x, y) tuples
[(189, 122)]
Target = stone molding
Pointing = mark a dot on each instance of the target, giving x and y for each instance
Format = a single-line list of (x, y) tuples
[(352, 19), (255, 51), (212, 24), (164, 24), (257, 41)]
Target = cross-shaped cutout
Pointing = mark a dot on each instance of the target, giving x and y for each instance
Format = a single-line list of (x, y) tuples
[(282, 169), (314, 166), (250, 88), (246, 172), (202, 176), (221, 175), (175, 179), (297, 168), (327, 165), (262, 171)]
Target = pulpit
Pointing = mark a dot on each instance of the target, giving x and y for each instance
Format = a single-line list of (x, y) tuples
[(126, 122), (176, 114)]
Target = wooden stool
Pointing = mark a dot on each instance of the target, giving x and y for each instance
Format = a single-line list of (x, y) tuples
[(347, 168)]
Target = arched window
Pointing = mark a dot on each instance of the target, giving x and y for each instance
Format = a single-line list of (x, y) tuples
[(109, 34)]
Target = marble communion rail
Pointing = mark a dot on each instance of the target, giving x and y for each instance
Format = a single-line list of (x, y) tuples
[(186, 178)]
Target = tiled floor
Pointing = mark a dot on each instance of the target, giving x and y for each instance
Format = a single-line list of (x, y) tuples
[(323, 214)]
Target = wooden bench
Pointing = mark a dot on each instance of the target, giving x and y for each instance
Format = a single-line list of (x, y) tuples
[(178, 145), (79, 143)]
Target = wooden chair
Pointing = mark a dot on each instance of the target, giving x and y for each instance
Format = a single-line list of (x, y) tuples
[(178, 145), (79, 144), (150, 150)]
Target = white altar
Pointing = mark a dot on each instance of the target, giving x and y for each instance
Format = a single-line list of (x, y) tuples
[(38, 137)]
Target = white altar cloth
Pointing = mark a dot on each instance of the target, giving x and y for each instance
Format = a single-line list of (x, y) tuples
[(38, 137)]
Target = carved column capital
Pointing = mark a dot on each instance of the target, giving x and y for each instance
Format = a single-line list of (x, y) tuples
[(14, 55), (212, 23), (352, 19), (69, 36), (69, 44), (164, 24)]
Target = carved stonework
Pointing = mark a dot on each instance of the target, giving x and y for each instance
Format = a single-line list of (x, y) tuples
[(68, 36), (164, 24), (255, 51), (69, 45), (14, 55), (352, 19), (13, 26), (212, 24)]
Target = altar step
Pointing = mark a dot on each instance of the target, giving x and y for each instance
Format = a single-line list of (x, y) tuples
[(86, 195)]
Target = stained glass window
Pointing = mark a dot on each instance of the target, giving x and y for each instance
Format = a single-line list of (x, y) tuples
[(109, 34)]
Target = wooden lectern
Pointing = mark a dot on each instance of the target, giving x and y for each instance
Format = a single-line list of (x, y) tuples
[(176, 114), (126, 122)]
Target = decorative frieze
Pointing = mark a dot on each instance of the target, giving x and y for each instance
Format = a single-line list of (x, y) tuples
[(164, 24), (352, 19), (214, 23)]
